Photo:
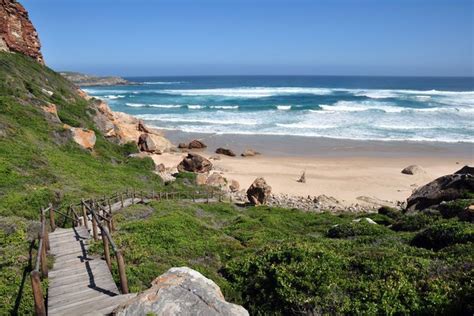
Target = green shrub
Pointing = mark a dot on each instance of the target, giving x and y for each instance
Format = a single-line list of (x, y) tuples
[(381, 219), (413, 222), (353, 229), (454, 208), (390, 212), (441, 235)]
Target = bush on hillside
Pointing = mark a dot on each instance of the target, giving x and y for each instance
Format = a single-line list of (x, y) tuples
[(390, 212), (413, 222), (454, 208), (354, 229), (445, 234)]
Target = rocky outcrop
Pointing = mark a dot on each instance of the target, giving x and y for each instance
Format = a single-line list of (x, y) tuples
[(51, 112), (17, 33), (125, 128), (249, 153), (413, 170), (216, 180), (234, 186), (83, 80), (180, 291), (83, 137), (195, 163), (196, 144), (259, 192), (446, 188), (225, 151), (466, 170)]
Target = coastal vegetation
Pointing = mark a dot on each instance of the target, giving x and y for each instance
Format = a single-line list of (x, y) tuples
[(271, 260)]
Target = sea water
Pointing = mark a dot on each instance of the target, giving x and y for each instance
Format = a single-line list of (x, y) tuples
[(365, 108)]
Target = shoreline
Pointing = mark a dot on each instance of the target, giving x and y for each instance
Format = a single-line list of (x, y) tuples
[(308, 146), (353, 172)]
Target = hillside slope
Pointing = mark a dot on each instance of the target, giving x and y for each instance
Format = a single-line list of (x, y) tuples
[(40, 163)]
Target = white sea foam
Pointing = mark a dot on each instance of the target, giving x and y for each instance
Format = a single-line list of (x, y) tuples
[(358, 106), (194, 106), (162, 106), (113, 97), (224, 107), (305, 126), (162, 82), (284, 107), (203, 120), (249, 92)]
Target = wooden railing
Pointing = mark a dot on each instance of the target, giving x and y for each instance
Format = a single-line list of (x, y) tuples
[(99, 211)]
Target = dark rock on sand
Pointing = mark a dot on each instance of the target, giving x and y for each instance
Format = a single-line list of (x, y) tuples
[(195, 163), (249, 153), (259, 192), (196, 144), (445, 188), (413, 170), (145, 143), (466, 170), (182, 145), (225, 151)]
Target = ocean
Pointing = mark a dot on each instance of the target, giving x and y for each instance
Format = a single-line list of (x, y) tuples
[(360, 108)]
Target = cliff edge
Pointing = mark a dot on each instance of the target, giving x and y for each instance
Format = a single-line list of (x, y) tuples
[(17, 33)]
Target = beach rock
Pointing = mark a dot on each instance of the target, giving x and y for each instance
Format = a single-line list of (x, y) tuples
[(445, 188), (201, 178), (161, 168), (413, 170), (259, 192), (196, 144), (249, 153), (182, 145), (225, 151), (215, 157), (302, 179), (466, 170), (216, 180), (145, 143), (234, 186), (180, 291), (84, 137), (141, 127), (17, 33), (195, 163)]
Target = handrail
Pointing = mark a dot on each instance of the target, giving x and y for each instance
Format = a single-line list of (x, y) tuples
[(89, 206)]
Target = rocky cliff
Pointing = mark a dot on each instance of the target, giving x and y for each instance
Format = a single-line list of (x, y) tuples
[(83, 80), (17, 33)]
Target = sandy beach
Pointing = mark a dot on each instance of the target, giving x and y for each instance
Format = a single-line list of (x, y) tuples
[(344, 169)]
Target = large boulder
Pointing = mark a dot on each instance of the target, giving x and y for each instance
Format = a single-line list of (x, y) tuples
[(196, 144), (195, 163), (466, 170), (234, 186), (216, 180), (413, 170), (259, 192), (445, 188), (225, 151), (180, 291), (145, 143), (83, 137)]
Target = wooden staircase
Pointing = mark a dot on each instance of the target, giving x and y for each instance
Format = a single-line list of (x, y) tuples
[(78, 283)]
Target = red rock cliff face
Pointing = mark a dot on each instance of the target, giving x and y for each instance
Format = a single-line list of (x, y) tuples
[(17, 33)]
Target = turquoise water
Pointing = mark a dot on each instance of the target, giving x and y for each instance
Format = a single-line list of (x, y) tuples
[(365, 108)]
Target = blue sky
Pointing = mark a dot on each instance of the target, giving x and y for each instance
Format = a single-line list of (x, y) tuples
[(207, 37)]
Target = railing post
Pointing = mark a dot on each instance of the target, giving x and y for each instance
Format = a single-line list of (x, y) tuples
[(94, 228), (105, 241), (122, 274), (121, 199), (84, 214), (44, 260), (40, 309), (51, 218)]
